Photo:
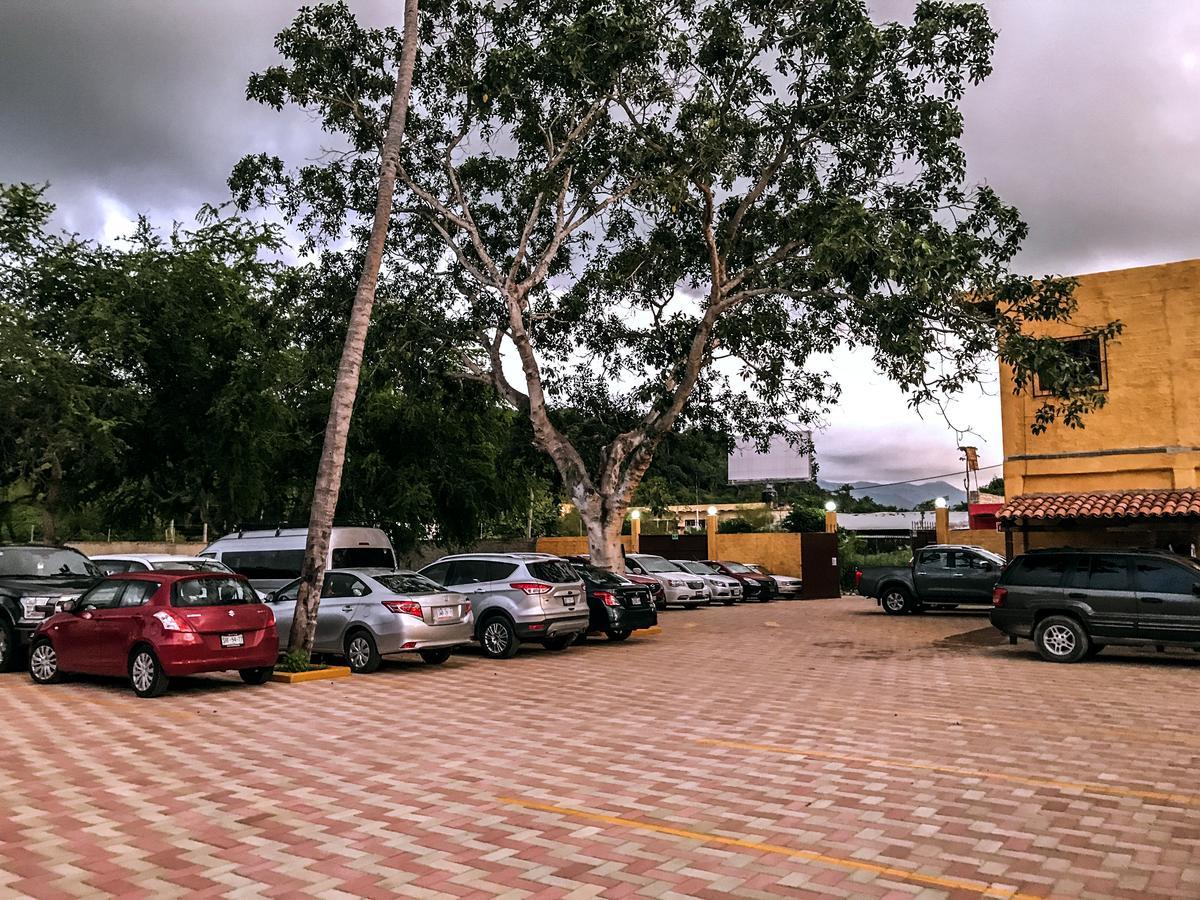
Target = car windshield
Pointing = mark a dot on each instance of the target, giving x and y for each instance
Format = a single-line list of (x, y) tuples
[(761, 570), (657, 564), (44, 562), (409, 583), (189, 565), (599, 576), (698, 568), (556, 571), (739, 568), (991, 557), (212, 592)]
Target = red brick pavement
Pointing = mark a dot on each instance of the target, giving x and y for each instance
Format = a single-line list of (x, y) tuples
[(799, 749)]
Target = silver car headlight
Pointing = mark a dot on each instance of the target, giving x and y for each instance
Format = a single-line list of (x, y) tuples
[(30, 611)]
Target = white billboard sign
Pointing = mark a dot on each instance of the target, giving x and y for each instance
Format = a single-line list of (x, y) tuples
[(781, 462)]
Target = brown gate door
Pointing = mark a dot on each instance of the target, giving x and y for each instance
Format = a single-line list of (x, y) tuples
[(819, 565), (676, 546)]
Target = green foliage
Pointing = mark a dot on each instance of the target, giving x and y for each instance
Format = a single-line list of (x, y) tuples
[(804, 518), (995, 486), (297, 661), (736, 525), (732, 185)]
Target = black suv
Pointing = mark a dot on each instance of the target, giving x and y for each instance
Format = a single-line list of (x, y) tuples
[(34, 579), (1073, 603)]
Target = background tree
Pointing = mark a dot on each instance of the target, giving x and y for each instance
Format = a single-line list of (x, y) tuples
[(662, 213)]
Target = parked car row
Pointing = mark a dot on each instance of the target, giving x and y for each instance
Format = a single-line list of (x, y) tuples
[(1072, 603), (154, 616)]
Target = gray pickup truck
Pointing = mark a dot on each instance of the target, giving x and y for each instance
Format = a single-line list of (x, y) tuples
[(940, 576)]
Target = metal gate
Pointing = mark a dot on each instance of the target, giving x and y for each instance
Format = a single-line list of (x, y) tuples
[(675, 546), (923, 537), (819, 565)]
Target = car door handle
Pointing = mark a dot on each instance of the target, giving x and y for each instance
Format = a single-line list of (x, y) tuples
[(1150, 599), (347, 609), (1076, 596)]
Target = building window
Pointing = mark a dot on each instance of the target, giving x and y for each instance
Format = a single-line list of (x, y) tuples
[(1092, 351)]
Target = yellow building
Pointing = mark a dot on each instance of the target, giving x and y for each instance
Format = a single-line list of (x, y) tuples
[(1130, 475)]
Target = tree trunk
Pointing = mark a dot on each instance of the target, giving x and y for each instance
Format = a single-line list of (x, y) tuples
[(603, 518), (341, 407)]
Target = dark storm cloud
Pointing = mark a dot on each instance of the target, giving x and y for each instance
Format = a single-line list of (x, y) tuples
[(1089, 125)]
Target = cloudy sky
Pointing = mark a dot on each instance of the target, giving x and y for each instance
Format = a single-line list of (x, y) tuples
[(1089, 125)]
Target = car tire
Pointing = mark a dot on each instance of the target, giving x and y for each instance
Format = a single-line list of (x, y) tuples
[(362, 653), (618, 634), (896, 601), (558, 642), (8, 647), (730, 602), (256, 676), (1061, 639), (43, 663), (498, 638), (434, 657), (146, 675)]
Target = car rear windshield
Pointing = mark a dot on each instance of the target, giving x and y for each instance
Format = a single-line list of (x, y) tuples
[(409, 583), (44, 562), (212, 592), (599, 576), (657, 564), (363, 558), (555, 571)]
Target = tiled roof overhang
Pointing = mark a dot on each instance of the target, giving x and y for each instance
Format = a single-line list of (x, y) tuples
[(1103, 505)]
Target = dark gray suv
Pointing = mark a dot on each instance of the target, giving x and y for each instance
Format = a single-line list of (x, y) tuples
[(1073, 603)]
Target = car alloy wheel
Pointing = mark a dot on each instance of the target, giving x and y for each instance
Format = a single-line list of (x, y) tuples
[(362, 654), (498, 639), (895, 602), (43, 663), (145, 674), (1059, 640)]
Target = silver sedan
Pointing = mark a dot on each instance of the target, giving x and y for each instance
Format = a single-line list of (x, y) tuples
[(367, 614)]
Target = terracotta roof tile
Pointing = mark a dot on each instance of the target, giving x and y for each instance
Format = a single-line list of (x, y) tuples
[(1102, 505)]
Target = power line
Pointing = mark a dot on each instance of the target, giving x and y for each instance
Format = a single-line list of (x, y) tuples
[(925, 478)]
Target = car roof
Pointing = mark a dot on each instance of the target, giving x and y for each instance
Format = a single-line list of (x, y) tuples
[(521, 555), (169, 575), (1141, 551), (154, 557)]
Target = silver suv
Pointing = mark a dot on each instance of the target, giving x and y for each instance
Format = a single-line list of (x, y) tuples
[(681, 588), (724, 588), (517, 597)]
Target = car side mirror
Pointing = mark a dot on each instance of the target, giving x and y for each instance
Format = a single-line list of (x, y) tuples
[(67, 606), (987, 567)]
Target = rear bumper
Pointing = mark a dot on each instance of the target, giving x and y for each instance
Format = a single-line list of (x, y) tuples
[(625, 619), (182, 659), (407, 634), (538, 631), (1013, 622)]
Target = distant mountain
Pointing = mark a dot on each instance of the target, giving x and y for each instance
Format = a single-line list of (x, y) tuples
[(902, 496)]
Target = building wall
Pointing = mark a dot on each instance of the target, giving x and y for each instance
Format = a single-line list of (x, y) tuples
[(778, 551), (988, 539), (569, 546), (1148, 433)]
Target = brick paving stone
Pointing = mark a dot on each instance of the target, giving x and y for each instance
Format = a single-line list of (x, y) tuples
[(529, 777)]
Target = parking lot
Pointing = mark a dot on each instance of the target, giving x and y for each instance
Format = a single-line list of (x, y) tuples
[(783, 749)]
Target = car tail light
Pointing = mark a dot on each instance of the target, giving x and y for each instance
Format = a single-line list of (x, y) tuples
[(999, 595), (407, 607), (607, 599), (857, 578), (169, 622), (531, 587)]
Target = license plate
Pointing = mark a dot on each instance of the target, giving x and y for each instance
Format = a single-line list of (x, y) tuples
[(569, 600), (637, 601), (232, 640), (441, 613)]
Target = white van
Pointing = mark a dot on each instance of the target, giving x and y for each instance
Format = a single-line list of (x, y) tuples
[(272, 558)]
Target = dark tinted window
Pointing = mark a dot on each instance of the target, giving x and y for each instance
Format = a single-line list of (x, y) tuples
[(1158, 576), (934, 559), (265, 563), (1079, 573), (138, 592), (964, 560), (44, 562), (113, 566), (342, 584), (437, 572), (409, 583), (1041, 570), (554, 571), (363, 558), (212, 592), (597, 576), (1109, 573), (103, 596)]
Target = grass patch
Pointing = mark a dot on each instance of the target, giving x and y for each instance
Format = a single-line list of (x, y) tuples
[(298, 661)]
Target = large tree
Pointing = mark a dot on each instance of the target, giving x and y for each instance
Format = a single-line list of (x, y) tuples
[(655, 213)]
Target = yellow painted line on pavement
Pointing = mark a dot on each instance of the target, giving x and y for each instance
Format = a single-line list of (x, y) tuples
[(950, 884), (1092, 787)]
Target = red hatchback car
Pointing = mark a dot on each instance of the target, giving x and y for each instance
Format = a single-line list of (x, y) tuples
[(153, 625)]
